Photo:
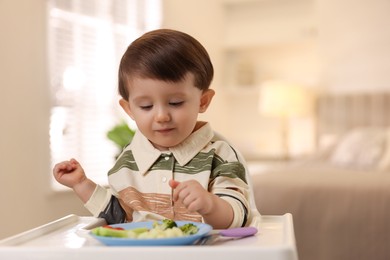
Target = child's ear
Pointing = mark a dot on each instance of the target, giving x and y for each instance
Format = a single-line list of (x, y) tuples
[(126, 107), (205, 100)]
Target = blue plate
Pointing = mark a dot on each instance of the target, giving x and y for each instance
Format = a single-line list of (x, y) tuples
[(204, 229)]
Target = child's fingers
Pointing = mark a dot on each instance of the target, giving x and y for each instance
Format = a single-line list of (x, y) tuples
[(74, 162), (175, 190), (173, 184), (59, 167), (188, 200), (66, 166)]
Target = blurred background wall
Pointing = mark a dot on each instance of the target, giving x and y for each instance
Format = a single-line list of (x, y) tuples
[(328, 45)]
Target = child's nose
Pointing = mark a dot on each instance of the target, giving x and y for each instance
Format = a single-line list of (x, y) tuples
[(162, 115)]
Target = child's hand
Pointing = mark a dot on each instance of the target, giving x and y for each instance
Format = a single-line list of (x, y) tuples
[(69, 173), (194, 197)]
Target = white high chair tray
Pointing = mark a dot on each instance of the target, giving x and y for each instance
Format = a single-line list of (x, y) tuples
[(67, 238)]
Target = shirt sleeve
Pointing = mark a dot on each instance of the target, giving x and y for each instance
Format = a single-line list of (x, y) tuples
[(228, 182), (240, 212), (99, 200), (103, 204)]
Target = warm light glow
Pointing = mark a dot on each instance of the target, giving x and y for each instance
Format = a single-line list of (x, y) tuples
[(73, 78), (283, 99)]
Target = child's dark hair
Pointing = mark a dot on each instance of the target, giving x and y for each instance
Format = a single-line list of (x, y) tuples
[(166, 55)]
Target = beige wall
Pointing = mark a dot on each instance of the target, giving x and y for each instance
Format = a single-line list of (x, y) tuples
[(25, 197), (355, 44), (203, 20), (348, 59)]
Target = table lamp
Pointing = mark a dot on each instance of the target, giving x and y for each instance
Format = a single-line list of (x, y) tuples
[(285, 100)]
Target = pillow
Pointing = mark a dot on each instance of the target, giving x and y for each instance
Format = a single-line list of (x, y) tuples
[(384, 164), (361, 148)]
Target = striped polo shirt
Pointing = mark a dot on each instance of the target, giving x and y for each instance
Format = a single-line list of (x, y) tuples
[(139, 180)]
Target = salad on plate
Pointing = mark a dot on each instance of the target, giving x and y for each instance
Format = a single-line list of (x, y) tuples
[(164, 232)]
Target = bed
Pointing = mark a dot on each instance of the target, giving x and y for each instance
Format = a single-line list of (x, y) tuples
[(340, 196)]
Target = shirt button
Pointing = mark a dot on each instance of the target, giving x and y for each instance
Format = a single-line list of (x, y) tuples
[(166, 158), (164, 179)]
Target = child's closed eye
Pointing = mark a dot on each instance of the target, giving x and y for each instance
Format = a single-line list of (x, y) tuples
[(146, 107), (176, 103)]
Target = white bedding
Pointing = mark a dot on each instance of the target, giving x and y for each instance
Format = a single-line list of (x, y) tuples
[(340, 208)]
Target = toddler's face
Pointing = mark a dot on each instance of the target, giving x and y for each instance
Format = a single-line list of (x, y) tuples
[(165, 112)]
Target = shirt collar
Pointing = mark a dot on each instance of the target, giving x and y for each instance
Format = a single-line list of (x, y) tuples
[(145, 154)]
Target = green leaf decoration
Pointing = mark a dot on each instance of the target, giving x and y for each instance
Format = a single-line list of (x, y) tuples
[(121, 134)]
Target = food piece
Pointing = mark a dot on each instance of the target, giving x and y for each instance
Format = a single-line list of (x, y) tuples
[(117, 228), (109, 232), (189, 229), (174, 232), (167, 228), (139, 230), (165, 224)]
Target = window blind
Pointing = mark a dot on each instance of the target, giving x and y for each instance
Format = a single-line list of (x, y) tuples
[(86, 39)]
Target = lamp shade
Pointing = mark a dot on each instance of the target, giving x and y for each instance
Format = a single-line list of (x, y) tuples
[(282, 99)]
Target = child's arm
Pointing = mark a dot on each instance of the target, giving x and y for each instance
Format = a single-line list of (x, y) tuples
[(71, 174), (215, 211)]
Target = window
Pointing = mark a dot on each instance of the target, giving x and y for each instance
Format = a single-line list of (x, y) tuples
[(86, 39)]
